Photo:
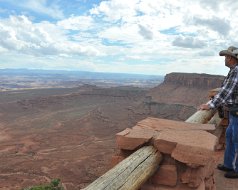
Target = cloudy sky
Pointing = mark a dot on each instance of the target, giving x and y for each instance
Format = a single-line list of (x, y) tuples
[(126, 36)]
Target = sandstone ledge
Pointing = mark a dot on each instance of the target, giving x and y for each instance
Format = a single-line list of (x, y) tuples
[(187, 150)]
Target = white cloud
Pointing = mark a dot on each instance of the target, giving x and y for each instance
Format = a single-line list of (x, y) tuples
[(116, 9), (188, 42), (146, 32), (42, 39), (76, 23), (123, 36), (39, 6), (43, 6), (219, 25), (126, 33)]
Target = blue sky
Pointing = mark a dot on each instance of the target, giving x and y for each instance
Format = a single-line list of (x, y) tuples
[(137, 36)]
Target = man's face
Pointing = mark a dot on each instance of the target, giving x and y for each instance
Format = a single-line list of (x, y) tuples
[(228, 60)]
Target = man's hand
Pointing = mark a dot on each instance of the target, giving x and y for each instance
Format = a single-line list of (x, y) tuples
[(204, 107)]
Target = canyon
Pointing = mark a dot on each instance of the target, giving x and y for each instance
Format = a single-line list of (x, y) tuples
[(69, 133)]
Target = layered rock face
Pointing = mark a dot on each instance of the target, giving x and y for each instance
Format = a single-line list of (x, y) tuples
[(194, 80), (188, 162), (185, 88)]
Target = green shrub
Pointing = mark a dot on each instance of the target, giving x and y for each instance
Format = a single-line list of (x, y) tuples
[(54, 185)]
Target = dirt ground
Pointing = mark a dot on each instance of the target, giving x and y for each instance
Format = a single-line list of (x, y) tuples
[(223, 183), (70, 135)]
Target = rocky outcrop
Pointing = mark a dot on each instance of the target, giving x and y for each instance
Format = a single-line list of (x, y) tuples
[(194, 80), (185, 88), (188, 162)]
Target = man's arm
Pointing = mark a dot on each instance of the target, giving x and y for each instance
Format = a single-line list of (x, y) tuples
[(226, 91)]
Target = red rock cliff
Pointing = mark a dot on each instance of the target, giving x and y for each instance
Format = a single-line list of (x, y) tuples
[(185, 88), (194, 80)]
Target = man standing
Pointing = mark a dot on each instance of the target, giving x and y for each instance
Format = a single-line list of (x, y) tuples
[(228, 96)]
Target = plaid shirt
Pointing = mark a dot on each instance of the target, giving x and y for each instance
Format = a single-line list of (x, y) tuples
[(229, 90)]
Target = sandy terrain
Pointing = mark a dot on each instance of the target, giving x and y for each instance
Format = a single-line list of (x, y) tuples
[(69, 134), (66, 135)]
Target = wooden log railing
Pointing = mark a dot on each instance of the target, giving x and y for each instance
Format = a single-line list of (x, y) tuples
[(136, 169), (201, 116), (130, 173)]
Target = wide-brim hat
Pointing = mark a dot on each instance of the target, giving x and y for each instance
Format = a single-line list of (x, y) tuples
[(231, 51)]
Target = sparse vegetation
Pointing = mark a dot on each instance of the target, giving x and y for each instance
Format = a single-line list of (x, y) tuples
[(54, 185)]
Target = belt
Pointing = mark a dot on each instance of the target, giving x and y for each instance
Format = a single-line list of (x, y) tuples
[(231, 105)]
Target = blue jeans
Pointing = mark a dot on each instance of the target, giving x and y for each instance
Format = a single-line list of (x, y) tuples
[(231, 151)]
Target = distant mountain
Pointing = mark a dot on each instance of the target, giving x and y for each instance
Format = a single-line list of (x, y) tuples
[(78, 74), (15, 79)]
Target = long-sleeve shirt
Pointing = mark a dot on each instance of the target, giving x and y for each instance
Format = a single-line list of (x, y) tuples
[(229, 90)]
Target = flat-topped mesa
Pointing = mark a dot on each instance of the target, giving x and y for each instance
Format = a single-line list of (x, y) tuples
[(181, 88), (204, 81)]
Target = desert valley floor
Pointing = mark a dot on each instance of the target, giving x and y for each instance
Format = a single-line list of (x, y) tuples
[(69, 133)]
